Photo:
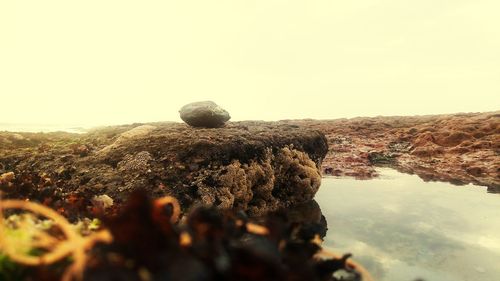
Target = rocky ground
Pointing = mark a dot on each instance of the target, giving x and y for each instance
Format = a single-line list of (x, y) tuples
[(458, 148), (253, 166)]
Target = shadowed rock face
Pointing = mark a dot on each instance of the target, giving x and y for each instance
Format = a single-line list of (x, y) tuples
[(254, 166)]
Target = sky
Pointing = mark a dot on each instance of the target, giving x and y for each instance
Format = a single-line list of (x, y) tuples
[(118, 61)]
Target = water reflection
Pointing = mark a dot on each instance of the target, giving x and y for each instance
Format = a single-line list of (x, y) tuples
[(402, 228), (306, 214), (427, 176)]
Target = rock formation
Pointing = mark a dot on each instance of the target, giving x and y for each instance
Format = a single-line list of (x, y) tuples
[(253, 166), (457, 148)]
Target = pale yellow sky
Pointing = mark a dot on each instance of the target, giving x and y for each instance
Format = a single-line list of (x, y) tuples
[(117, 61)]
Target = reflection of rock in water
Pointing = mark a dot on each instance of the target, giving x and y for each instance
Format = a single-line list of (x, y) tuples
[(494, 189), (308, 214), (376, 266)]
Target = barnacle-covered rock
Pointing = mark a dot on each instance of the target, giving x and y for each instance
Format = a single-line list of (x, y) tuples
[(277, 180)]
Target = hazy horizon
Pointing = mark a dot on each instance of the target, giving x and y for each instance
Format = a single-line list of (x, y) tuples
[(83, 127), (117, 62)]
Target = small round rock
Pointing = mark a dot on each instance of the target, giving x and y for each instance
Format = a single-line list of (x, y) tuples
[(205, 114)]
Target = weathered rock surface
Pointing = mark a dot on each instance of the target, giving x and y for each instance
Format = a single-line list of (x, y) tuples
[(250, 165), (457, 148), (205, 114), (254, 166)]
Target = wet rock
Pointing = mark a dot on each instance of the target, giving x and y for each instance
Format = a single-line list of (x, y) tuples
[(380, 158), (205, 114), (474, 171), (279, 179), (457, 148)]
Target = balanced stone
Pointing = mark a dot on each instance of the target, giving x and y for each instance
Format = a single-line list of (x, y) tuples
[(205, 114)]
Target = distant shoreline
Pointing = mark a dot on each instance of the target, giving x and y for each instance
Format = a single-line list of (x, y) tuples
[(43, 128)]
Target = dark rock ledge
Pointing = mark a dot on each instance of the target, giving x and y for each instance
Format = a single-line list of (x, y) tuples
[(253, 166)]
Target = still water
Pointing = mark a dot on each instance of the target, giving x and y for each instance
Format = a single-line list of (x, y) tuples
[(402, 228)]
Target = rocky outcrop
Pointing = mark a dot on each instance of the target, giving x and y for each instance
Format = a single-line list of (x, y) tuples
[(457, 148), (253, 166)]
